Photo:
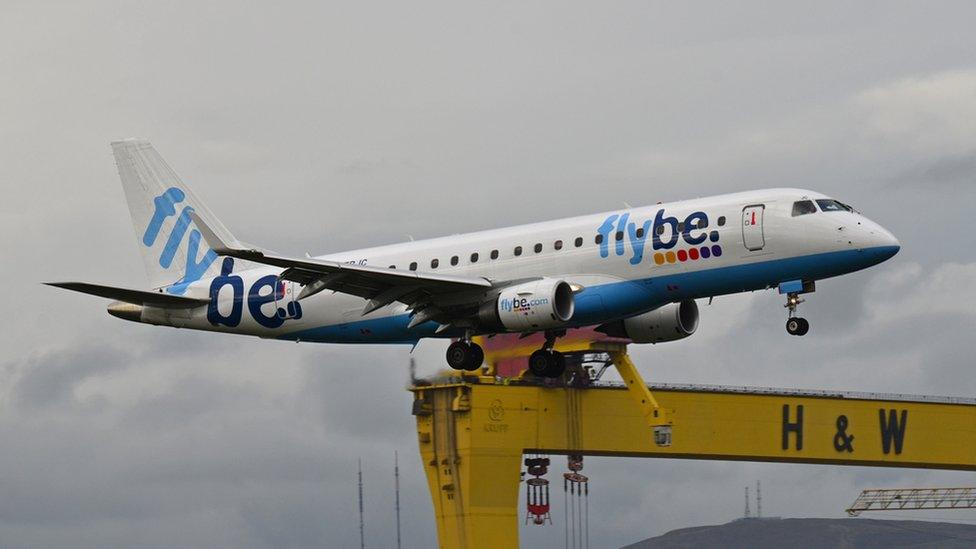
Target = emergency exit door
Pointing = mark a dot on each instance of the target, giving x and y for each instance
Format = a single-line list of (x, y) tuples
[(752, 227)]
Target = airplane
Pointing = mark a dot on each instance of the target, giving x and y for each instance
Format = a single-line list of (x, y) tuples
[(632, 273)]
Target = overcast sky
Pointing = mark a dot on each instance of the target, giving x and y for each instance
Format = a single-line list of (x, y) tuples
[(323, 127)]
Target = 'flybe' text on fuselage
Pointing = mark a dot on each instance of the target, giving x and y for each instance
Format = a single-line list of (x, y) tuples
[(264, 290), (665, 232)]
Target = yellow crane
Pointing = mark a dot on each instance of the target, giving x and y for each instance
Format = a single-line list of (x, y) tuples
[(473, 432)]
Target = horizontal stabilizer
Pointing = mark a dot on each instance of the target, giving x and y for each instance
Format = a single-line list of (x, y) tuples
[(136, 297)]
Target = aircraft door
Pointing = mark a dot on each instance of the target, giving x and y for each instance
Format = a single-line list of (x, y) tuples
[(752, 227)]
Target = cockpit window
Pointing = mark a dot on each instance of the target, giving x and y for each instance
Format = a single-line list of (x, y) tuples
[(803, 207), (831, 205)]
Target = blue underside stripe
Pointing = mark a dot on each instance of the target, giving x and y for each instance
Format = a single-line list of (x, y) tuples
[(606, 302)]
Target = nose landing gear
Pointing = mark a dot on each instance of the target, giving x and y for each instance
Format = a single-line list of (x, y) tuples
[(795, 325)]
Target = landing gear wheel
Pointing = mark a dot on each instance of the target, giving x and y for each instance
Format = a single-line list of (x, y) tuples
[(804, 327), (797, 326), (462, 355), (476, 358), (457, 355), (544, 363), (539, 363), (557, 364)]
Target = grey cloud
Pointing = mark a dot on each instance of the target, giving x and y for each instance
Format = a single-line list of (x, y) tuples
[(328, 127), (947, 171), (50, 379)]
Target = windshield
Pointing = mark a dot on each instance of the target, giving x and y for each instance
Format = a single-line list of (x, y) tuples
[(803, 207), (831, 205)]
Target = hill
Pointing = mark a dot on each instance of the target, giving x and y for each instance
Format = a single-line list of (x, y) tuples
[(842, 533)]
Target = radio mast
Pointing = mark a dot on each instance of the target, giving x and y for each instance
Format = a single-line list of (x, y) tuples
[(396, 478), (362, 533), (758, 500)]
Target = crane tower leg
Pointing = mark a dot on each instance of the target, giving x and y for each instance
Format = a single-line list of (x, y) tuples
[(473, 478), (654, 415)]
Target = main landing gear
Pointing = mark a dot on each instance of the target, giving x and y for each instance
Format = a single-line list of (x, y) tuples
[(466, 355), (546, 362), (795, 325)]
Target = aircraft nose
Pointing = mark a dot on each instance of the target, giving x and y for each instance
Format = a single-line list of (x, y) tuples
[(884, 244), (892, 242)]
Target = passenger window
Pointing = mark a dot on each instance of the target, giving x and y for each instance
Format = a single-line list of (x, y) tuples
[(454, 260), (619, 236), (558, 244), (537, 248), (721, 220), (681, 227), (518, 251), (474, 257), (579, 241), (598, 239), (660, 230), (640, 232), (413, 266), (803, 207), (434, 263), (494, 254)]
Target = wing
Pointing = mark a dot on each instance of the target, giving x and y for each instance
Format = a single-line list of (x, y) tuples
[(431, 296)]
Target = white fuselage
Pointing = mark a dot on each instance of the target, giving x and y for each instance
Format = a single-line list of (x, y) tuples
[(726, 244)]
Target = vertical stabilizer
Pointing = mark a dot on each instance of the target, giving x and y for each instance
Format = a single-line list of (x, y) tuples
[(172, 249)]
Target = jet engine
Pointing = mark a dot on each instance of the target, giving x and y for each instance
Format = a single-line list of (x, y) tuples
[(538, 305), (668, 323)]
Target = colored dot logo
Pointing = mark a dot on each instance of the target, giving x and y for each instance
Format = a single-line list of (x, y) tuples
[(694, 254)]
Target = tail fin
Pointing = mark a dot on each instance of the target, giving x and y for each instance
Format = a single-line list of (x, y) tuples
[(172, 250)]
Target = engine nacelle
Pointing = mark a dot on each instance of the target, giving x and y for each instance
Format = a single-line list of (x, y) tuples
[(668, 323), (537, 305)]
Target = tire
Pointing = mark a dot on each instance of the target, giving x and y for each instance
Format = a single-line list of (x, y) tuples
[(557, 364), (476, 357), (539, 363), (793, 325), (458, 355), (804, 327)]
